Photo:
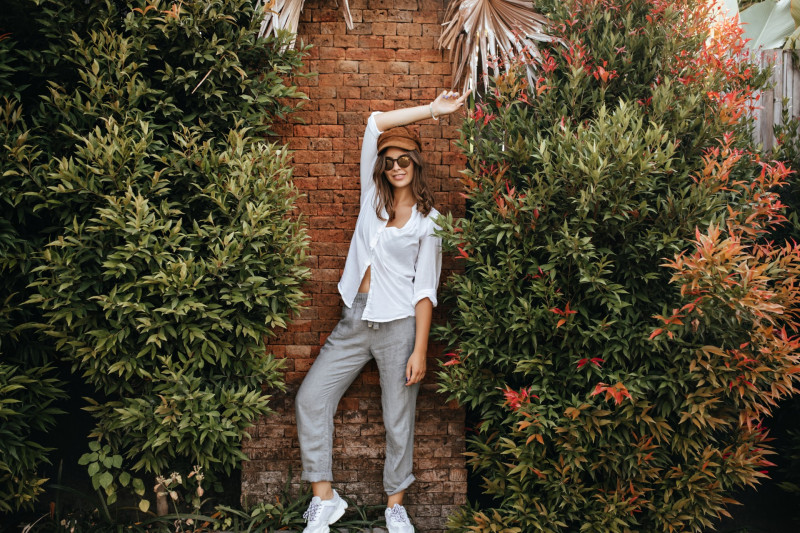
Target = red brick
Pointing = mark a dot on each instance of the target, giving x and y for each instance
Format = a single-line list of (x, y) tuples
[(356, 80), (384, 28), (409, 29), (427, 16), (345, 41), (395, 41), (347, 66), (424, 43), (306, 131), (381, 80), (363, 28), (406, 81), (431, 30), (375, 15), (349, 92), (332, 28), (372, 67), (320, 143), (324, 117), (298, 351), (370, 41), (329, 52), (398, 67), (325, 15), (398, 93), (330, 131), (433, 80), (331, 80), (322, 169), (416, 68)]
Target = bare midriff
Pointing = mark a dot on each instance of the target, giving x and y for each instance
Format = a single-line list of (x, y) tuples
[(364, 287)]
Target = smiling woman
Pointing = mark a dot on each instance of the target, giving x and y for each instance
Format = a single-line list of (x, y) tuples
[(389, 290)]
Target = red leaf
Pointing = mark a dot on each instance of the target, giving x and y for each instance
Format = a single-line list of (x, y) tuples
[(599, 388)]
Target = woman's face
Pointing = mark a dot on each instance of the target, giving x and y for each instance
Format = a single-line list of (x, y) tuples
[(398, 176)]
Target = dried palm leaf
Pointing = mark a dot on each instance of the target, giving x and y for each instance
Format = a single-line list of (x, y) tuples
[(482, 30), (285, 15)]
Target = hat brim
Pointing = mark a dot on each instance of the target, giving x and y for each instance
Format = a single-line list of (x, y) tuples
[(397, 142)]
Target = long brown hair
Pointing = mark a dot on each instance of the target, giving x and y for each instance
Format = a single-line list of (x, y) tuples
[(419, 186)]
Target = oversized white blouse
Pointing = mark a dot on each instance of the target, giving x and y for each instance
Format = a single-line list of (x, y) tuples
[(406, 262)]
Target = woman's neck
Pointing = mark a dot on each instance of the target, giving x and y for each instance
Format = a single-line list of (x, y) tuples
[(403, 196)]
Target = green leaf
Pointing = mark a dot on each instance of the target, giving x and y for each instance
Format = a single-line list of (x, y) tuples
[(106, 479)]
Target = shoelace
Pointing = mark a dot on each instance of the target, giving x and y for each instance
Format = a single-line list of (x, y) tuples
[(311, 513), (398, 514)]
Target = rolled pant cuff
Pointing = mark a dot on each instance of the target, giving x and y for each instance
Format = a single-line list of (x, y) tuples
[(402, 486), (313, 477)]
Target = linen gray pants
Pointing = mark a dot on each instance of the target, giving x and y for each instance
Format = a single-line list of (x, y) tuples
[(349, 347)]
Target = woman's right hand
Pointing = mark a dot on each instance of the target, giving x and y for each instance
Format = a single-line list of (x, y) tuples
[(448, 102)]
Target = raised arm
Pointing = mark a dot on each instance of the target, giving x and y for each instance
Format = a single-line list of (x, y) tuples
[(447, 102)]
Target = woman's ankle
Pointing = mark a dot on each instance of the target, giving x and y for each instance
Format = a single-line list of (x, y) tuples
[(322, 489), (395, 499)]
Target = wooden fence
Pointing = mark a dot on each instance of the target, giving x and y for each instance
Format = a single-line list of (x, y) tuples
[(784, 84)]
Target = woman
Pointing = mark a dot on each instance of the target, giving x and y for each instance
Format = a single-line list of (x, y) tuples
[(389, 291)]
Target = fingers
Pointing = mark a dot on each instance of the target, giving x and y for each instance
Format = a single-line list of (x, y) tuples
[(414, 375), (449, 95), (454, 98)]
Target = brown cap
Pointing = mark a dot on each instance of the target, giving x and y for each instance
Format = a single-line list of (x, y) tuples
[(399, 137)]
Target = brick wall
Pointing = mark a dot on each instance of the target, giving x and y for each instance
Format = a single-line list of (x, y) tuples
[(389, 59)]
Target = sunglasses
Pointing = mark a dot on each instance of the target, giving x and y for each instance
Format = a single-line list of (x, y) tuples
[(403, 161)]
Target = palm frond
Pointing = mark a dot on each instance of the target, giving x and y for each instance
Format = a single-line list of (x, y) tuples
[(767, 24), (481, 30), (285, 15)]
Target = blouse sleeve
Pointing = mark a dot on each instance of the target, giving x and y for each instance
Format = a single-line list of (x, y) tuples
[(369, 155), (428, 268)]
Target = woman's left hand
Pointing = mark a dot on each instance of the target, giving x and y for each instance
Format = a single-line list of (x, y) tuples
[(448, 102), (415, 368)]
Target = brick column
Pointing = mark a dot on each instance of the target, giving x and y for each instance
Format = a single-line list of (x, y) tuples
[(389, 59)]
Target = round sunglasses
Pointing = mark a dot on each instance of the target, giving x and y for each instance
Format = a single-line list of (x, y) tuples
[(403, 161)]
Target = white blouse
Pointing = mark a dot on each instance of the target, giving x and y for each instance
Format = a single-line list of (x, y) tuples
[(406, 262)]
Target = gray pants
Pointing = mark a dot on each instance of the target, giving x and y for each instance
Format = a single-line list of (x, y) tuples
[(349, 347)]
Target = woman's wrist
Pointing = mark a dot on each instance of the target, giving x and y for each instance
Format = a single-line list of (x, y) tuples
[(434, 116)]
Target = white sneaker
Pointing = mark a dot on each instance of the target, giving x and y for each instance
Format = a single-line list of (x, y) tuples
[(322, 513), (397, 520)]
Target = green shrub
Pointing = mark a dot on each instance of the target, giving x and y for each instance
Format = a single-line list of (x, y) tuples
[(172, 249), (787, 149), (28, 386), (619, 331)]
